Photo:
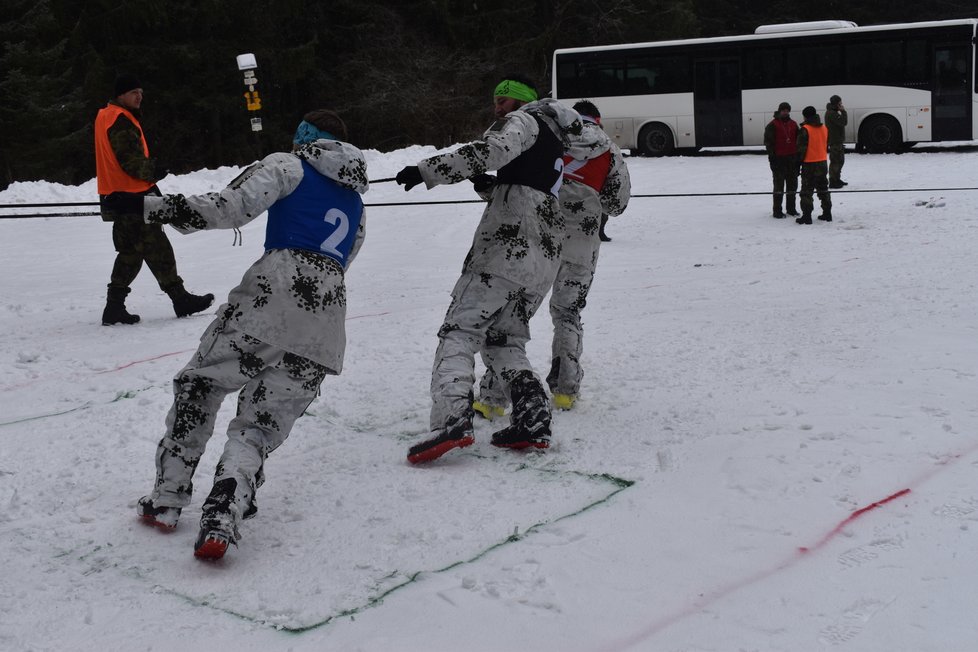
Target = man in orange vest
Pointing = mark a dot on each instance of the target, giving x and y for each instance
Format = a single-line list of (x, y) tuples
[(813, 138), (124, 169)]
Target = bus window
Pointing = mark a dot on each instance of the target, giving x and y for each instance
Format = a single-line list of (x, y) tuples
[(599, 80), (917, 69), (814, 65), (764, 68), (671, 74), (875, 62)]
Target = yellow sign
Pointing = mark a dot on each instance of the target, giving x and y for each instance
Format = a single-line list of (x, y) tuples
[(252, 100)]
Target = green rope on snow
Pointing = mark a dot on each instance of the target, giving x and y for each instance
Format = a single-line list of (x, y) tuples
[(620, 485), (118, 397)]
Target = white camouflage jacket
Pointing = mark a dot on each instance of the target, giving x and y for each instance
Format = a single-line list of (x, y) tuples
[(582, 205), (519, 237), (289, 298)]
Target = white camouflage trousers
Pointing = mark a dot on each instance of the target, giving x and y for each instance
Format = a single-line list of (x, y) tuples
[(567, 300), (275, 389), (487, 314)]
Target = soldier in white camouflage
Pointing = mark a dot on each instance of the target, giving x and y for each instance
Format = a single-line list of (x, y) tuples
[(510, 267), (596, 183), (281, 331)]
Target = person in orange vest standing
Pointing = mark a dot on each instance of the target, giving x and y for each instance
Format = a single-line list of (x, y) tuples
[(813, 138), (124, 168)]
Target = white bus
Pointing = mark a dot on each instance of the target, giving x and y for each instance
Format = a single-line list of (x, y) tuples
[(901, 84)]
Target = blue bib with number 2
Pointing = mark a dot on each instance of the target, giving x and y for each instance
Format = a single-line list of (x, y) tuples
[(319, 216)]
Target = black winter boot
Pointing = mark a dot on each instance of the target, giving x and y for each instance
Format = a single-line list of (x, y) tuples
[(218, 521), (115, 308), (530, 421), (457, 433), (601, 234), (185, 304)]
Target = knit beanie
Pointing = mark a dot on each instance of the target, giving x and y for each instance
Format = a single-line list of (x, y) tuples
[(321, 124), (809, 112), (328, 121), (125, 83), (783, 106)]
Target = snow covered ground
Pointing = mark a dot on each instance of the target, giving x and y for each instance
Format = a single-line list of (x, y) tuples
[(775, 449)]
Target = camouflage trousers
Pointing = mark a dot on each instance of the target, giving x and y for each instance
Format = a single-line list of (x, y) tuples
[(135, 242), (814, 179), (275, 388), (784, 172), (487, 314), (837, 158), (567, 299)]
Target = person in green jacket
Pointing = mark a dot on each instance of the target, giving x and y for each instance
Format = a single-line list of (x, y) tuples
[(836, 120)]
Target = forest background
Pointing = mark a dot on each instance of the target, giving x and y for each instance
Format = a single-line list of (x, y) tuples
[(400, 72)]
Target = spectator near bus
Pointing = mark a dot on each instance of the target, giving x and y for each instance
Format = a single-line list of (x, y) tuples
[(781, 142), (812, 148), (836, 119)]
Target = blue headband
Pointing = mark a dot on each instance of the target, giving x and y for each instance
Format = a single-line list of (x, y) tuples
[(307, 133)]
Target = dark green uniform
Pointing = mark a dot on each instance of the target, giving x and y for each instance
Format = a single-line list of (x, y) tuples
[(814, 177), (780, 138), (134, 240), (836, 120)]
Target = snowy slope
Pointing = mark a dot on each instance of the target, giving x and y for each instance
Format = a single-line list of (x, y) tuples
[(758, 397)]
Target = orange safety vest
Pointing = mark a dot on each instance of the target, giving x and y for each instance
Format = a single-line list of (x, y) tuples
[(591, 172), (110, 175), (818, 143)]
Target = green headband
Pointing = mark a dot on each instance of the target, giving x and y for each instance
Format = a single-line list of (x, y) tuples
[(516, 90)]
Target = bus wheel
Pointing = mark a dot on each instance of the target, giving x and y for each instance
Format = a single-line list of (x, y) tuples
[(655, 140), (881, 133)]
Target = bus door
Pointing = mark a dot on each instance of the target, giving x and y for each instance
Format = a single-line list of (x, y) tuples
[(951, 93), (716, 103)]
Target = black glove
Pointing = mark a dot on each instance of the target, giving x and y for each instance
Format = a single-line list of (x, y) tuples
[(160, 170), (409, 177), (124, 203), (483, 182), (770, 160)]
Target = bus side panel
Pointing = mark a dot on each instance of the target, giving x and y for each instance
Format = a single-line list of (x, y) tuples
[(685, 131), (900, 114), (754, 124), (918, 127), (974, 108), (623, 116), (909, 107), (622, 131)]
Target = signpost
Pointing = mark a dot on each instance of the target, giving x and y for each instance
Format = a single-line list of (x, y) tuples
[(248, 65)]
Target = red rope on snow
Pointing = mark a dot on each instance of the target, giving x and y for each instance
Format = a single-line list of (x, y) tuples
[(852, 517)]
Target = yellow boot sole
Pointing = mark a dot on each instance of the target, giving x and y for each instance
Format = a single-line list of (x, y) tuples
[(564, 401)]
